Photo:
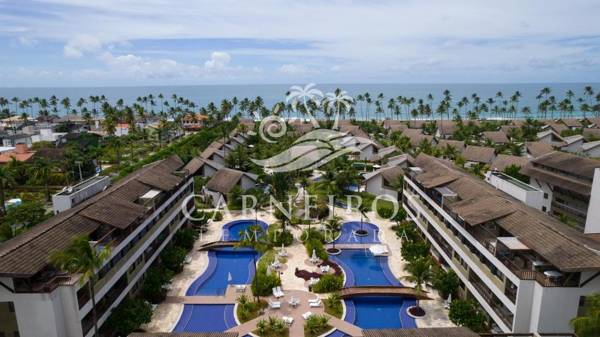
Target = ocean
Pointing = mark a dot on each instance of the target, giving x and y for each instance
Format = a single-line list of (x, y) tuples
[(272, 93)]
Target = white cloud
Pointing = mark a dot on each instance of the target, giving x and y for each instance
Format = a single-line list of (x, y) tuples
[(295, 69), (81, 44), (219, 60)]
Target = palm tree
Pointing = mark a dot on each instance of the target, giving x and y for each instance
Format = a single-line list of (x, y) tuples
[(41, 170), (305, 95), (333, 226), (6, 179), (420, 273), (81, 257), (337, 100)]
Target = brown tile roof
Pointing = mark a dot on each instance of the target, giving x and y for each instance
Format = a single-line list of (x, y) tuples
[(446, 127), (588, 133), (537, 149), (131, 191), (115, 212), (564, 247), (557, 127), (224, 180), (458, 145), (570, 163), (497, 137), (479, 154), (193, 165), (503, 161), (416, 136), (29, 252), (571, 122), (394, 125), (421, 332)]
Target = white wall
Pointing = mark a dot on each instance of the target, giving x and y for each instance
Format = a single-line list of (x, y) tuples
[(593, 153), (375, 187), (592, 223)]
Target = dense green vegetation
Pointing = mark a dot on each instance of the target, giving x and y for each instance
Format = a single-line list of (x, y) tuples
[(467, 313), (316, 325), (588, 324)]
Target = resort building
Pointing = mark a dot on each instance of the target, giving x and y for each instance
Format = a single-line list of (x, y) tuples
[(568, 182), (72, 196), (193, 122), (496, 137), (528, 271), (591, 149), (384, 181), (536, 149), (224, 181), (136, 217), (478, 155)]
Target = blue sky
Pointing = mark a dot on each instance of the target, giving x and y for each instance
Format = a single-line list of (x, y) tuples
[(158, 42)]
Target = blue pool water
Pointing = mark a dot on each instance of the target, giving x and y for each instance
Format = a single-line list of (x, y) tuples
[(214, 281), (206, 318), (348, 228), (364, 269), (235, 230), (379, 312)]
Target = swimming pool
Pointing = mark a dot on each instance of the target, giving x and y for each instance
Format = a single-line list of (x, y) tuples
[(362, 268), (206, 318), (379, 312), (235, 230), (348, 228), (239, 262)]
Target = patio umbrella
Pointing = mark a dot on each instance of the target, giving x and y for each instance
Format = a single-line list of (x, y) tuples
[(282, 248), (314, 255), (229, 277)]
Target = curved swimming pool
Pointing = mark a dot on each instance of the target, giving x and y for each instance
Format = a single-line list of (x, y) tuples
[(222, 262), (347, 234), (226, 266), (236, 230), (362, 268)]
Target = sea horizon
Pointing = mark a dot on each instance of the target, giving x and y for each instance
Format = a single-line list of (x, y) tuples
[(202, 94)]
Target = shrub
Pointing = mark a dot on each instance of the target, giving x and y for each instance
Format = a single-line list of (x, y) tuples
[(173, 257), (263, 283), (185, 238), (130, 315), (271, 326), (152, 289), (317, 246), (328, 283), (445, 282), (412, 250), (278, 237), (316, 325), (333, 305), (385, 212), (467, 314)]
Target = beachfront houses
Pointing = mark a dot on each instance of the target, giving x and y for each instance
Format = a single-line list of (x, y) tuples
[(528, 271), (568, 182), (136, 217)]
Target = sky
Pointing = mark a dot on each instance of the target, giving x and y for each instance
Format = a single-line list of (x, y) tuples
[(170, 42)]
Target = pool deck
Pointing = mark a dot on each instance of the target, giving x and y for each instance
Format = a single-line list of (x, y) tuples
[(167, 314), (297, 328)]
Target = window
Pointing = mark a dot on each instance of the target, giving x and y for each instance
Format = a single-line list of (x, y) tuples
[(16, 334), (545, 195), (11, 308), (543, 208)]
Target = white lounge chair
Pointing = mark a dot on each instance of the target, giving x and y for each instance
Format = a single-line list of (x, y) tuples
[(325, 269), (240, 288), (188, 260), (283, 253), (276, 264), (313, 281), (314, 304), (312, 300), (307, 315), (288, 320), (294, 302), (274, 304), (281, 293)]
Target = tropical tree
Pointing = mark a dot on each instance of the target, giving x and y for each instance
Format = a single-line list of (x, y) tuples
[(7, 179), (41, 170), (588, 324), (81, 257), (420, 273)]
